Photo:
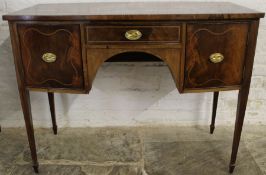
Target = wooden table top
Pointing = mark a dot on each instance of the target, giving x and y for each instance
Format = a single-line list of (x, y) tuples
[(135, 11)]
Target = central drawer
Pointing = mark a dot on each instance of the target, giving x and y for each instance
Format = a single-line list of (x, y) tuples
[(98, 34)]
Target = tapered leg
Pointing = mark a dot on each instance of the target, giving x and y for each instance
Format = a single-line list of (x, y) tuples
[(52, 109), (244, 91), (26, 108), (241, 108), (214, 109), (24, 96)]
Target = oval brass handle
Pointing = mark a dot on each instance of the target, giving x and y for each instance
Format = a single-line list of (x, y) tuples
[(133, 35), (216, 57), (49, 57)]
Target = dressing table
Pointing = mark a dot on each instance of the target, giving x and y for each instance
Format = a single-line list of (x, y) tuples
[(208, 47)]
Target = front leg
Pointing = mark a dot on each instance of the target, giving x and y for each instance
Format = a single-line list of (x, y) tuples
[(244, 91), (26, 108), (24, 95), (241, 108)]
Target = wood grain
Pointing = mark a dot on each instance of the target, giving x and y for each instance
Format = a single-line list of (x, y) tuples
[(64, 42), (182, 34), (135, 11), (111, 34), (204, 39)]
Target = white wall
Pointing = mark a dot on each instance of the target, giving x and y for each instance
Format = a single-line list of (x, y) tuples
[(129, 93)]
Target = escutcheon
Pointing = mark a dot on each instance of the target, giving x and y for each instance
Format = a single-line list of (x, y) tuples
[(133, 35), (216, 57), (49, 57)]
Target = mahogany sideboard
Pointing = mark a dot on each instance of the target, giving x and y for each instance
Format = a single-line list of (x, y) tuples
[(208, 47)]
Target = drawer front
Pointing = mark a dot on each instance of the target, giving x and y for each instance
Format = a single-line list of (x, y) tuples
[(51, 55), (215, 54), (133, 34)]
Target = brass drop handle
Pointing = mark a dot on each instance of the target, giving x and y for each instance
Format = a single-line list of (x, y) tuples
[(133, 35), (216, 57), (49, 57)]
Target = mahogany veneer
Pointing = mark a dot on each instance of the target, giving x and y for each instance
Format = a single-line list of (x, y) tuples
[(116, 34), (206, 38), (208, 47)]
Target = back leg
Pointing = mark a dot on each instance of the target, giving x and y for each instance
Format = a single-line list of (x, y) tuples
[(214, 109), (52, 110)]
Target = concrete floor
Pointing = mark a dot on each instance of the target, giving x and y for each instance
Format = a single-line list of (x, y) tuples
[(165, 150)]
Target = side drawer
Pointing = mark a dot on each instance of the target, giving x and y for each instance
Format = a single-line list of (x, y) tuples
[(96, 34), (51, 55), (215, 54)]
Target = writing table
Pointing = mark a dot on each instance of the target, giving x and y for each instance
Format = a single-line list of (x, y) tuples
[(208, 47)]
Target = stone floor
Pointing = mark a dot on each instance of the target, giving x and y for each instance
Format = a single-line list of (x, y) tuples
[(165, 150)]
